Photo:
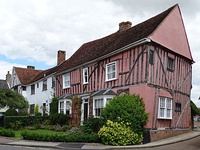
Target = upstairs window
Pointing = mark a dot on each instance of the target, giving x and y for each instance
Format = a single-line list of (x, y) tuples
[(151, 56), (170, 64), (53, 82), (177, 107), (66, 80), (32, 89), (111, 71), (165, 108), (44, 88), (85, 75)]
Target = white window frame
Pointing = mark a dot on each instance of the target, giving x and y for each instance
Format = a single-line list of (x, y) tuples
[(165, 108), (105, 98), (67, 105), (111, 72), (66, 80), (85, 75)]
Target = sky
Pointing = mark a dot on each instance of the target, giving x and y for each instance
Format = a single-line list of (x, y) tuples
[(32, 31)]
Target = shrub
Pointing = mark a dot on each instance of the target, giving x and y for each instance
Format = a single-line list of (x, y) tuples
[(7, 132), (118, 134), (60, 119), (28, 135), (130, 108), (11, 112), (25, 120), (91, 125), (54, 106)]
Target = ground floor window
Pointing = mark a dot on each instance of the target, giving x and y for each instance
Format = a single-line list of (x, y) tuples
[(99, 102), (165, 108), (32, 108), (65, 106)]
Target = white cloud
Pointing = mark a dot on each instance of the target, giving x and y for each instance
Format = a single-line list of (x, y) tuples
[(5, 67), (34, 30)]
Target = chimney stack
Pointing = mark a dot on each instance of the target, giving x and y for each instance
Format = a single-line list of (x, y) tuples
[(8, 78), (31, 67), (125, 25), (61, 57)]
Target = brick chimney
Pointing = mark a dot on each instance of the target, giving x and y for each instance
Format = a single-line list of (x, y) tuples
[(124, 25), (61, 57), (8, 78), (31, 67)]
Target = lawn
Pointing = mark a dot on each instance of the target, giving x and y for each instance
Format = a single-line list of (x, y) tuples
[(39, 131)]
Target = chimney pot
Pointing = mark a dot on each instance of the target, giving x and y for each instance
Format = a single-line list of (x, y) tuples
[(30, 67), (125, 25)]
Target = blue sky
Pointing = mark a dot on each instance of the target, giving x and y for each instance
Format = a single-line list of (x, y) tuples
[(32, 35)]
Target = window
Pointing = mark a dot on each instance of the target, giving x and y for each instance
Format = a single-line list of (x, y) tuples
[(85, 76), (44, 85), (177, 107), (98, 106), (99, 102), (23, 88), (165, 108), (65, 107), (61, 108), (151, 56), (37, 85), (66, 80), (33, 89), (32, 108), (111, 71), (53, 82), (170, 64)]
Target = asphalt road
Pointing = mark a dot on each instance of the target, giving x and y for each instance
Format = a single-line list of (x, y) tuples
[(8, 147), (192, 144)]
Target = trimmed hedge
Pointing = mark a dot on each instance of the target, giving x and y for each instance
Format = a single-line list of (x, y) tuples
[(7, 133), (28, 135), (10, 121)]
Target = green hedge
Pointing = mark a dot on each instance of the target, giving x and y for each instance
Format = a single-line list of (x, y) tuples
[(28, 135), (7, 132), (16, 122)]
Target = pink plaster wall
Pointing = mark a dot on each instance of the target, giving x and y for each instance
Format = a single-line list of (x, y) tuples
[(171, 34)]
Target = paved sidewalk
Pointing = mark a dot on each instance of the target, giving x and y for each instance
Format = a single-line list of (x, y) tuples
[(96, 146)]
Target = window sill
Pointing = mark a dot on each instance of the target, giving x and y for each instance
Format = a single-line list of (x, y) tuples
[(85, 83), (111, 79), (164, 118)]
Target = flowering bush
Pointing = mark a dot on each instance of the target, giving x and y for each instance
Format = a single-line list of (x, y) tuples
[(118, 133)]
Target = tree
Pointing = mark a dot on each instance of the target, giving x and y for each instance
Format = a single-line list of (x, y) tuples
[(12, 99), (129, 108), (54, 106)]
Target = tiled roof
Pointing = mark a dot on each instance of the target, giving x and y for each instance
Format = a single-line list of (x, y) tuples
[(3, 84), (25, 75), (97, 48), (44, 73)]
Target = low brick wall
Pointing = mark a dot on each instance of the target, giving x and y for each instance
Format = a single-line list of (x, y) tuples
[(156, 135)]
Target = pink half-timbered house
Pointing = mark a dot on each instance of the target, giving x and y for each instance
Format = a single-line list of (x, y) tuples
[(152, 59)]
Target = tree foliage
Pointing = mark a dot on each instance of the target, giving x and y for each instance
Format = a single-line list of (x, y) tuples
[(194, 109), (54, 106), (130, 108), (12, 99)]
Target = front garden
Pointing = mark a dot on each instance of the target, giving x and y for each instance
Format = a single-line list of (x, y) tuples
[(121, 123)]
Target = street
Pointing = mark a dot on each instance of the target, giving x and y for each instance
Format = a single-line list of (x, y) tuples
[(192, 144), (8, 147)]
